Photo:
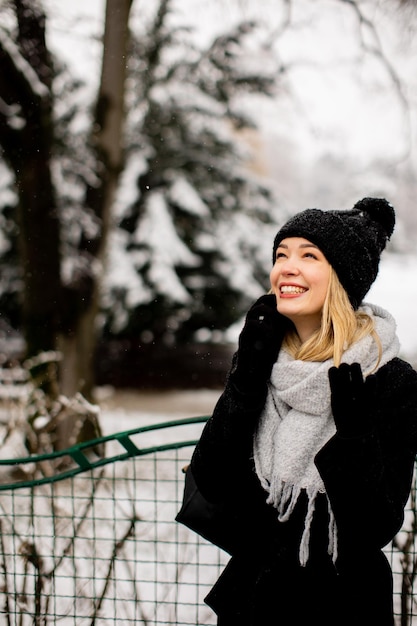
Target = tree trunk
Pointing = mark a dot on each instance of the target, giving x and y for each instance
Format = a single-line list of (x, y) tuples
[(39, 252), (57, 316), (80, 343), (26, 136)]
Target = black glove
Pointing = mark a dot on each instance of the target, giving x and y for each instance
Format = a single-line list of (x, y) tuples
[(259, 344), (352, 400)]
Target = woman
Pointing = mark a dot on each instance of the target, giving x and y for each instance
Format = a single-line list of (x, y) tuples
[(312, 443)]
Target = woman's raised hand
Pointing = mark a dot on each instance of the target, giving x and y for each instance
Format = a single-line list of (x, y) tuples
[(259, 344)]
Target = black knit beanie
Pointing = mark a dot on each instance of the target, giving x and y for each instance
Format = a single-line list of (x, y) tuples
[(352, 241)]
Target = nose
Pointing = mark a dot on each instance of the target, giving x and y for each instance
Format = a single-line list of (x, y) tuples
[(289, 267)]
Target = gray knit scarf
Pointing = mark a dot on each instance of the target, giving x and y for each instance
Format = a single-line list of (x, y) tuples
[(297, 421)]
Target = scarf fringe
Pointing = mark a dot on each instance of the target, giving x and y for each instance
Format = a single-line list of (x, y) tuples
[(332, 548), (284, 497)]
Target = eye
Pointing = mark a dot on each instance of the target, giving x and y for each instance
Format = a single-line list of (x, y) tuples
[(281, 255), (310, 255)]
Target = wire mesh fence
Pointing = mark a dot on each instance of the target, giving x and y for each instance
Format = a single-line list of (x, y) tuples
[(95, 542), (88, 539)]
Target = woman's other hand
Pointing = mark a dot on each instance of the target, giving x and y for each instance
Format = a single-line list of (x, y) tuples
[(352, 400)]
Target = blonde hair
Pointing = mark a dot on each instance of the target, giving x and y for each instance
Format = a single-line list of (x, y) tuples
[(341, 326)]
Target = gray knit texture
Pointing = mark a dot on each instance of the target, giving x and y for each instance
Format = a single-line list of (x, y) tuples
[(297, 421)]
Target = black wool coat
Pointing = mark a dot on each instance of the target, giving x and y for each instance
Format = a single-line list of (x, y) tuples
[(368, 479)]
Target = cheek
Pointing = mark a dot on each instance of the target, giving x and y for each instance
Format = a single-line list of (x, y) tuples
[(273, 276), (321, 288)]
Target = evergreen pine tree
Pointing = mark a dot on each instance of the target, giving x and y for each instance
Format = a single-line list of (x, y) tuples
[(193, 229)]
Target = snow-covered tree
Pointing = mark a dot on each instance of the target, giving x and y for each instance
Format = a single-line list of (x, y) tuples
[(27, 138), (191, 221), (187, 236), (64, 182), (163, 163)]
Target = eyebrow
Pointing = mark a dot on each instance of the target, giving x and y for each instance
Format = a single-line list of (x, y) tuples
[(302, 245)]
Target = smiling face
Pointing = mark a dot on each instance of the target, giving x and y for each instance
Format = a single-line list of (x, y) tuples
[(299, 280)]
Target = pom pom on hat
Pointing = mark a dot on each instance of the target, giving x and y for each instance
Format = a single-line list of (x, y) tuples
[(379, 210), (352, 241)]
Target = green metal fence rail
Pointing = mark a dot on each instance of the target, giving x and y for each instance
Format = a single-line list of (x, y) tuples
[(88, 537)]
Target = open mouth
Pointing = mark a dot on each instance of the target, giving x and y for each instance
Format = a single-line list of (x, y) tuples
[(290, 289)]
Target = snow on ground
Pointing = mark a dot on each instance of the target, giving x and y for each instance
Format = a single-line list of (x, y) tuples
[(122, 410)]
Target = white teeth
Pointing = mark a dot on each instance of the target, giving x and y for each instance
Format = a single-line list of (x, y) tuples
[(291, 289)]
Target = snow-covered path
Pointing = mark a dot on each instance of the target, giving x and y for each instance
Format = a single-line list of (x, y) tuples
[(128, 409)]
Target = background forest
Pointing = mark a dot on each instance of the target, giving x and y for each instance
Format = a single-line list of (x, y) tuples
[(149, 152)]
